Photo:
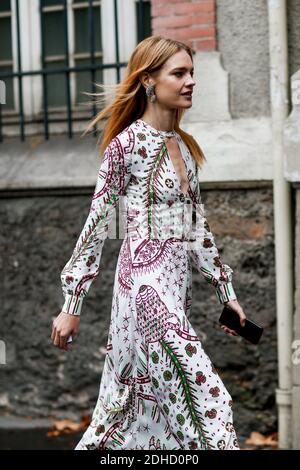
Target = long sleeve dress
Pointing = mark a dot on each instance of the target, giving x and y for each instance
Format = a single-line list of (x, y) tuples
[(158, 389)]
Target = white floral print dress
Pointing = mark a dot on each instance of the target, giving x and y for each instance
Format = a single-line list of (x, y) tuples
[(158, 389)]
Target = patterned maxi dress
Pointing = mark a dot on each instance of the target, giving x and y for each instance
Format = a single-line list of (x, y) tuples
[(159, 389)]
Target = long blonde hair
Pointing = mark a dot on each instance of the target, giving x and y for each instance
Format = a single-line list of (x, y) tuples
[(130, 100)]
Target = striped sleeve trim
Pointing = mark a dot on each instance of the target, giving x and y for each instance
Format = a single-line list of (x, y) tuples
[(72, 304), (225, 293)]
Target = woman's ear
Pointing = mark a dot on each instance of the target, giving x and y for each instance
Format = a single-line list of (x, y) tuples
[(145, 79)]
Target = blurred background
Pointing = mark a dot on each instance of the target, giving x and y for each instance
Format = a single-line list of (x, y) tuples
[(246, 118)]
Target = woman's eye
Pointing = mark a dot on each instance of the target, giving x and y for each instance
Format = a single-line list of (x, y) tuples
[(180, 73)]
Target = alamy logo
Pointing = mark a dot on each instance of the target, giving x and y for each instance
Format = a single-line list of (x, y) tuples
[(2, 352), (296, 353), (296, 91), (2, 92)]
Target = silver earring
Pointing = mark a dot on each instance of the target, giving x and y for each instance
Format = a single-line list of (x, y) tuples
[(151, 93)]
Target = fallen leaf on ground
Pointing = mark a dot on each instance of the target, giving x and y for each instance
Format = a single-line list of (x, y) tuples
[(258, 439), (67, 426)]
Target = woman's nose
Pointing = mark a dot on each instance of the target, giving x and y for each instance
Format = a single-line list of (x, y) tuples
[(191, 83)]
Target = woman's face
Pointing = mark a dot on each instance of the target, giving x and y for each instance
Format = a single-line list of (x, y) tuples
[(176, 78)]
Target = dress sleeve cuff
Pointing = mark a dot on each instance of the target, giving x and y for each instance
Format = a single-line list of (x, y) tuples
[(225, 293), (72, 304)]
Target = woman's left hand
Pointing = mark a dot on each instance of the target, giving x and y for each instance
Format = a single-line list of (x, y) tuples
[(234, 305)]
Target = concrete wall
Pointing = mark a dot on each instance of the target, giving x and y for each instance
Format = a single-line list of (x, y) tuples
[(242, 38), (293, 13), (243, 42)]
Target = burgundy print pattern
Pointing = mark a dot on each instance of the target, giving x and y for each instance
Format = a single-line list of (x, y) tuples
[(159, 389)]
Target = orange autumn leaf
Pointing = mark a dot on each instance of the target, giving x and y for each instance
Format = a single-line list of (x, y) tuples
[(67, 426), (258, 439), (85, 421)]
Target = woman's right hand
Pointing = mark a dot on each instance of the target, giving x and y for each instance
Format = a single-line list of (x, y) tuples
[(63, 326)]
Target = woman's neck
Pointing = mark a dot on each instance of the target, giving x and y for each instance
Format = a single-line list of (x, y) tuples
[(163, 122)]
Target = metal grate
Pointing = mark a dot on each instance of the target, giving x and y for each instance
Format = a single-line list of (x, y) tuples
[(57, 67)]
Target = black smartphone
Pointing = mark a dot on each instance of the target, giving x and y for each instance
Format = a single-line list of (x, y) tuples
[(251, 331)]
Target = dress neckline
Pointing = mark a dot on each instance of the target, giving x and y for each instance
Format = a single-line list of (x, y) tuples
[(164, 134)]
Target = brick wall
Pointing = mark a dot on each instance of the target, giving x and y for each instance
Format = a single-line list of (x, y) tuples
[(190, 21)]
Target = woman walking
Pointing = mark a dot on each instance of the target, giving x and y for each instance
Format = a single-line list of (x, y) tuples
[(159, 389)]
